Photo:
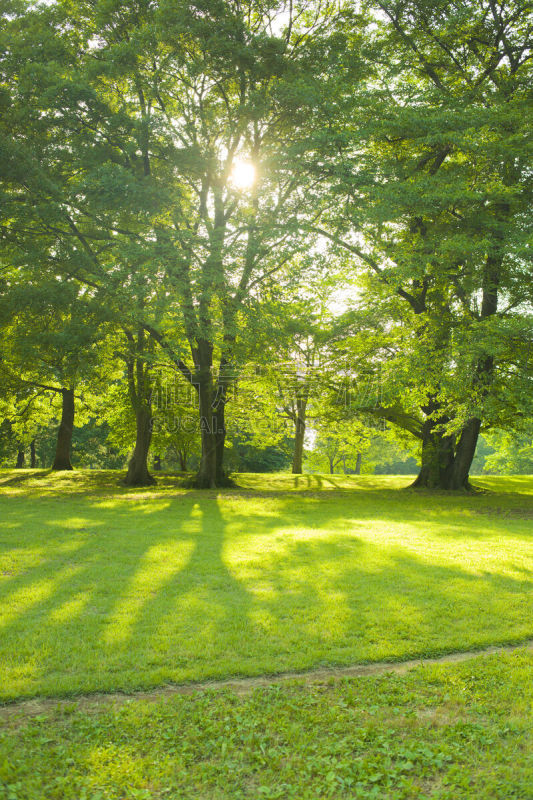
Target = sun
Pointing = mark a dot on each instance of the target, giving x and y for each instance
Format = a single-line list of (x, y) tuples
[(243, 174)]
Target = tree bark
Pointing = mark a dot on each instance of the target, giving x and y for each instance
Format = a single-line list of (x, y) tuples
[(140, 391), (33, 454), (21, 457), (297, 458), (299, 419), (438, 457), (211, 404), (466, 450), (138, 473), (213, 432), (182, 455), (206, 477), (64, 434)]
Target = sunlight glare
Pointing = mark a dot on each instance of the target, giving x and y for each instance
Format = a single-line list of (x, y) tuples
[(243, 174)]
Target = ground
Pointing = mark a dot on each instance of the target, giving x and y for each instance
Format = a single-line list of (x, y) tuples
[(105, 589), (447, 732)]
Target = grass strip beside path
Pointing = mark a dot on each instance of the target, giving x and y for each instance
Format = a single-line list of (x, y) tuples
[(441, 731)]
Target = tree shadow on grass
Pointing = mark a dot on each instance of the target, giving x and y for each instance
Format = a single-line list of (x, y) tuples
[(125, 594), (105, 606), (23, 476)]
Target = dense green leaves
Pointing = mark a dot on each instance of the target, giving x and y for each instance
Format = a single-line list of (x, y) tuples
[(176, 165)]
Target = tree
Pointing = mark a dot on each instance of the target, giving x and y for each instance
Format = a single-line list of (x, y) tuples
[(49, 345), (435, 187), (152, 155)]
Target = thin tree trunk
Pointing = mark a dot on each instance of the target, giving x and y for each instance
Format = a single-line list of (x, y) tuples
[(297, 458), (33, 454), (358, 462), (299, 433), (157, 463), (182, 455), (140, 391), (64, 434), (21, 457)]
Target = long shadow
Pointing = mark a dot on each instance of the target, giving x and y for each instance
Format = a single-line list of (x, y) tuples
[(24, 476), (203, 602), (67, 598), (138, 593)]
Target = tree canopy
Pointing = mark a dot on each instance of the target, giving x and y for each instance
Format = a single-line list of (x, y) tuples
[(195, 192)]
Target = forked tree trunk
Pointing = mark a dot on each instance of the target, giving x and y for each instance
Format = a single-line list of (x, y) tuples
[(21, 457), (33, 454), (446, 465), (437, 459), (138, 473), (64, 433)]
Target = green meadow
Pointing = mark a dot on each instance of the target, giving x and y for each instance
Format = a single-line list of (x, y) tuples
[(105, 588)]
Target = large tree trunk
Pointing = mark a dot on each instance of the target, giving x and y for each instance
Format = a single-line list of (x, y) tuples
[(33, 454), (138, 474), (206, 477), (446, 465), (213, 431), (211, 404), (64, 434), (139, 386), (465, 452), (437, 459), (20, 457)]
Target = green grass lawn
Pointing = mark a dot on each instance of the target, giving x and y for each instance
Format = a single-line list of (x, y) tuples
[(442, 732), (105, 588)]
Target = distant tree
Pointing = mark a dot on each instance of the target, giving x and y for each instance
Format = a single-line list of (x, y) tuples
[(512, 453)]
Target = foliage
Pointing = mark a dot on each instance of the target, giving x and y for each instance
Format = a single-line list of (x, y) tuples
[(512, 454), (206, 179)]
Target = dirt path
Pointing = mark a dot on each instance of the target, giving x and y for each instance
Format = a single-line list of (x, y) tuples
[(30, 708)]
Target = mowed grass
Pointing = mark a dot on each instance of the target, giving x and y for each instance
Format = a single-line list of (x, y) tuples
[(441, 732), (104, 588)]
